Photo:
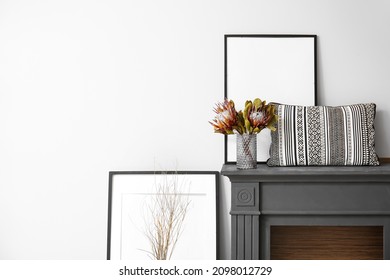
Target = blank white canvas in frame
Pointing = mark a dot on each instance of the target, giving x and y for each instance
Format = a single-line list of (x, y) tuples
[(276, 69)]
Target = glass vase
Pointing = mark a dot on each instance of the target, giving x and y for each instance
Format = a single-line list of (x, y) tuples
[(246, 151)]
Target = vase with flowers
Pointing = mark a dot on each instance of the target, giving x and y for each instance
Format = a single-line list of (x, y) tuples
[(246, 124)]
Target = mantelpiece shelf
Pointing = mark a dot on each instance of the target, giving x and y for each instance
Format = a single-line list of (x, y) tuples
[(265, 173)]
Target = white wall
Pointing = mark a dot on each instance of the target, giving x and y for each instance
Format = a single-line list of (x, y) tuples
[(92, 86)]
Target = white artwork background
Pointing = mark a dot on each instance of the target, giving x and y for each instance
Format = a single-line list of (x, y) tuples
[(132, 197), (277, 70)]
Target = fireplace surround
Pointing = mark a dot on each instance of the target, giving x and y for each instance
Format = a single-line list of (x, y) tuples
[(331, 205)]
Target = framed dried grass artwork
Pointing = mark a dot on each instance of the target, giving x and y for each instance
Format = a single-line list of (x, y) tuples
[(162, 215)]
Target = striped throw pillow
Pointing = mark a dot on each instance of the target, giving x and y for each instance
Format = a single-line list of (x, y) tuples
[(324, 135)]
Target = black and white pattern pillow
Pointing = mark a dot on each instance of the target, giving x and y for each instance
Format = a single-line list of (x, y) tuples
[(324, 135)]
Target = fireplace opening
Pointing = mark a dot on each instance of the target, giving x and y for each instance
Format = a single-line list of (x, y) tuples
[(326, 242)]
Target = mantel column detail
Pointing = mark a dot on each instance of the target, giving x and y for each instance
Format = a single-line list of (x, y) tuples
[(245, 215)]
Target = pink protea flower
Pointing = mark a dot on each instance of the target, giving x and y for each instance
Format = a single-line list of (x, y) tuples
[(258, 115), (226, 119)]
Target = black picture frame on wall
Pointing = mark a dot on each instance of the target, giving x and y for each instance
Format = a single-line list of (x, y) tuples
[(130, 198), (279, 68)]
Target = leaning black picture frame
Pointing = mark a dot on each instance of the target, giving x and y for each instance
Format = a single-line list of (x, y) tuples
[(250, 63), (204, 184)]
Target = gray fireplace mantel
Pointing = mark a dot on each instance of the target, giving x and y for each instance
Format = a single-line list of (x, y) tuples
[(268, 196)]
